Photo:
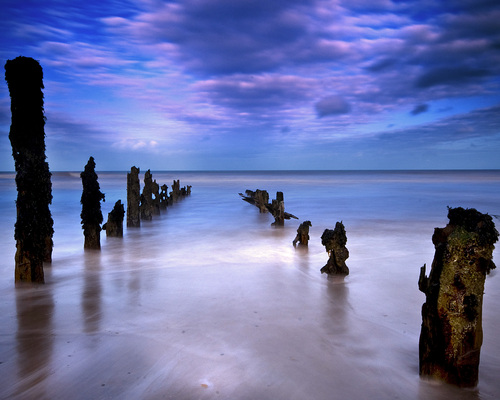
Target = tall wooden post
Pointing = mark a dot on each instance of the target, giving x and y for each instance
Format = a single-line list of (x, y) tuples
[(34, 225)]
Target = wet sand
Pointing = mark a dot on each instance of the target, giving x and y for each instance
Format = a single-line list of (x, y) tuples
[(217, 304), (105, 328)]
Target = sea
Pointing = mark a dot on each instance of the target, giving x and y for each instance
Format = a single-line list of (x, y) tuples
[(209, 300)]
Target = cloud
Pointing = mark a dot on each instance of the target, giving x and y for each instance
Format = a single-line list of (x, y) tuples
[(260, 93), (450, 76), (332, 105), (477, 124), (419, 109)]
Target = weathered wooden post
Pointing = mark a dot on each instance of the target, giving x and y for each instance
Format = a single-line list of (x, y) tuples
[(302, 234), (334, 242), (146, 206), (114, 225), (278, 209), (133, 198), (451, 335), (91, 207), (34, 226), (164, 197)]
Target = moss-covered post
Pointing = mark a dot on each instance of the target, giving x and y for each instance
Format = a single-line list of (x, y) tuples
[(91, 207), (451, 335), (34, 226)]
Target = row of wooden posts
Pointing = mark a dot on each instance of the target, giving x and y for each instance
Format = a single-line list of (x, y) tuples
[(140, 206)]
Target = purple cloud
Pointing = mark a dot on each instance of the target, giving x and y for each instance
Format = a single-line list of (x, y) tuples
[(419, 109), (332, 105)]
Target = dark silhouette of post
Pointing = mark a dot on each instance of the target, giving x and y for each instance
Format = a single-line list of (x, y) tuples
[(133, 198), (34, 225), (114, 225), (335, 243), (452, 333), (91, 207)]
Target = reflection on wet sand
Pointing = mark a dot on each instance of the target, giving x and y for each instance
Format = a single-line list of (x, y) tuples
[(92, 292), (34, 340)]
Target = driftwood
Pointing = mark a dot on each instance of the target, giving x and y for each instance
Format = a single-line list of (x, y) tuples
[(334, 242), (451, 333), (34, 226), (260, 199)]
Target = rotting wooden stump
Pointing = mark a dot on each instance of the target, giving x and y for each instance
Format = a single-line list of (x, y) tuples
[(33, 230), (147, 202), (133, 198), (451, 335), (114, 225), (260, 199), (302, 234), (335, 243), (91, 207)]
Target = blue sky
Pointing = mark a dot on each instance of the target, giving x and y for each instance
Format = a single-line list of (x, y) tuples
[(259, 84)]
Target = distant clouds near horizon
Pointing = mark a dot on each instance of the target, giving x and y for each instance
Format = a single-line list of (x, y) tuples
[(254, 84)]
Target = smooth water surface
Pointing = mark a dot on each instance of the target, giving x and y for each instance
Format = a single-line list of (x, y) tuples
[(209, 301)]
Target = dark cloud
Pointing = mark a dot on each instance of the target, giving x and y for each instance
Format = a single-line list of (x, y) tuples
[(450, 76), (223, 37), (419, 109), (260, 93), (382, 65), (332, 105)]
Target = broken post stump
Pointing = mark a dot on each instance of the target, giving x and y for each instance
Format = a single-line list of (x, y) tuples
[(91, 207), (451, 335), (259, 198), (302, 234), (114, 225), (335, 244), (147, 205), (164, 197), (34, 225), (133, 198)]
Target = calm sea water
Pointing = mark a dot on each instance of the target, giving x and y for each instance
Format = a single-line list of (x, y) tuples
[(209, 300)]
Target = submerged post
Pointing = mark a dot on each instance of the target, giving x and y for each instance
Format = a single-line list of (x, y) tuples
[(451, 335), (114, 225), (334, 242), (133, 198), (146, 208), (91, 207), (302, 234), (34, 225)]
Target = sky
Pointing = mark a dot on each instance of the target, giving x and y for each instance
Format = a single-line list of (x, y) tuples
[(261, 84)]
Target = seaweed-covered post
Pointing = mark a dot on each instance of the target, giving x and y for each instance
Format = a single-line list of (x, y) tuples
[(133, 198), (91, 207), (451, 335), (114, 225), (302, 234), (334, 242), (34, 225)]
